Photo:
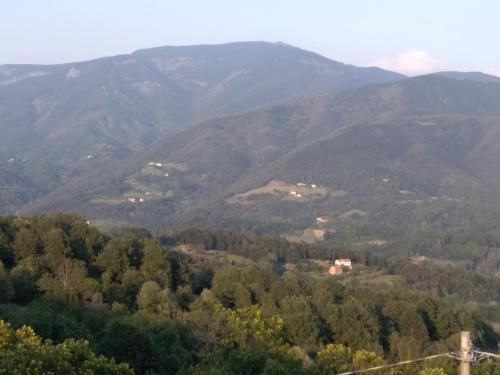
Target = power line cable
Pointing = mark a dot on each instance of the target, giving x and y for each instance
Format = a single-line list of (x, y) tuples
[(395, 364)]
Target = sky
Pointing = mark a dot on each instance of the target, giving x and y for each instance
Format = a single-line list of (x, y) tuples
[(412, 37)]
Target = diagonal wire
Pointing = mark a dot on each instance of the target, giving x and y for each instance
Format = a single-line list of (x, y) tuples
[(395, 364), (489, 354)]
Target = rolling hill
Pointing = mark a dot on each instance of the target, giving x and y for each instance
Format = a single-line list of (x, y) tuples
[(61, 121)]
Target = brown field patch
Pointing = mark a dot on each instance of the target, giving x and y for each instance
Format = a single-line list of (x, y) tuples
[(281, 188)]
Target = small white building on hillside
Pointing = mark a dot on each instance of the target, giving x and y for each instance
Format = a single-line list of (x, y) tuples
[(321, 220), (345, 263)]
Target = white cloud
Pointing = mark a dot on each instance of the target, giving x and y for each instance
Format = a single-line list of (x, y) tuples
[(413, 62), (493, 72)]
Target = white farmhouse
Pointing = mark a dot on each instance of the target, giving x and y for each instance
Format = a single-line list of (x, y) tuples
[(345, 263), (321, 220)]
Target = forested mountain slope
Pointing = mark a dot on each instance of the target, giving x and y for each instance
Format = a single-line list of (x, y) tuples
[(60, 121), (422, 151)]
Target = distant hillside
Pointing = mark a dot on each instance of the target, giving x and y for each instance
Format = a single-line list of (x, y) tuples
[(61, 121), (421, 151), (469, 76)]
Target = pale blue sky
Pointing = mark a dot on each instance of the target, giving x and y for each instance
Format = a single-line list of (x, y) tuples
[(438, 34)]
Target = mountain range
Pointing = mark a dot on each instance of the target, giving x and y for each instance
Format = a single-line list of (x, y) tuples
[(60, 121), (250, 136)]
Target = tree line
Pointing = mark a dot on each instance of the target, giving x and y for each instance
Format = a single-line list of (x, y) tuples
[(131, 302)]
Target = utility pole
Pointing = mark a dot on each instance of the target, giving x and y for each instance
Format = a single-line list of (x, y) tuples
[(465, 353)]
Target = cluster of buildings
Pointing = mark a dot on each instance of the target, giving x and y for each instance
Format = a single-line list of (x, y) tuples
[(12, 160), (157, 164), (321, 220), (302, 184), (340, 266), (135, 200)]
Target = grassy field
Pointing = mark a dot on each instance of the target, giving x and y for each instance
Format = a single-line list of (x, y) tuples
[(213, 258), (309, 235), (108, 200)]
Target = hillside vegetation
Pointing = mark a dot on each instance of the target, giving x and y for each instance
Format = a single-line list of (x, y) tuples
[(167, 305)]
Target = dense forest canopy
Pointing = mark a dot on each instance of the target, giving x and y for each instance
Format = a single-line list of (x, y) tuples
[(216, 302)]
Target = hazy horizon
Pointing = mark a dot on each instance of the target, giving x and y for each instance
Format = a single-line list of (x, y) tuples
[(409, 38)]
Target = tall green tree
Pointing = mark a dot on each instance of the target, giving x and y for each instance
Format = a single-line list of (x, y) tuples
[(152, 299), (155, 264), (23, 352), (68, 282)]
